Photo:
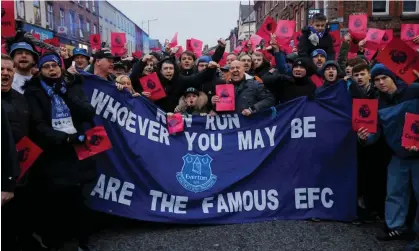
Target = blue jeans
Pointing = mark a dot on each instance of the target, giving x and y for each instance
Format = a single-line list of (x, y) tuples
[(402, 175)]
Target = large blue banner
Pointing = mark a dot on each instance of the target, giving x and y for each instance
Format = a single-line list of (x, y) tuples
[(297, 163)]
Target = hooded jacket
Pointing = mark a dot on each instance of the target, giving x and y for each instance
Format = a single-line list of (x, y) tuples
[(175, 87), (305, 47), (58, 165), (201, 105)]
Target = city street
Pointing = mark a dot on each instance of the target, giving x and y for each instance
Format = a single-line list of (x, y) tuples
[(128, 235)]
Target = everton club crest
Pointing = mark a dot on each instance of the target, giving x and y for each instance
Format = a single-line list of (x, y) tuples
[(196, 175)]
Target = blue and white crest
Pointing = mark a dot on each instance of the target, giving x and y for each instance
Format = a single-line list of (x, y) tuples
[(196, 175)]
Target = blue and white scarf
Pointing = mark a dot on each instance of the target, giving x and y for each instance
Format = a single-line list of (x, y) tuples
[(60, 114), (315, 36)]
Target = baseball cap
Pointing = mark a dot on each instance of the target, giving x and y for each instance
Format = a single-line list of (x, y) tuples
[(192, 90), (104, 54), (80, 51)]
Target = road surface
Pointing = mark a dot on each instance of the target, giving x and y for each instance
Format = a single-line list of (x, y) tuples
[(130, 235)]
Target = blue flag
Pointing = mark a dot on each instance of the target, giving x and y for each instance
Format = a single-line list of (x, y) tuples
[(298, 164)]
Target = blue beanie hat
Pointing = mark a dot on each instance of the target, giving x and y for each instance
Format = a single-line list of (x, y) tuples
[(204, 59), (380, 69), (318, 52), (49, 57)]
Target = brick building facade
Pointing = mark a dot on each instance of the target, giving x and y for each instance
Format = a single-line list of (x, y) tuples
[(74, 21), (382, 14)]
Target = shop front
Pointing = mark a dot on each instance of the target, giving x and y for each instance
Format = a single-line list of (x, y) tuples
[(43, 33)]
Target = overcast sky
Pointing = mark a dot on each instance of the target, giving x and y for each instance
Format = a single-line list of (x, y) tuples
[(204, 20)]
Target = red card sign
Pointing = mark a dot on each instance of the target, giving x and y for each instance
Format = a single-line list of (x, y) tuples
[(27, 152), (337, 40), (401, 59), (137, 54), (374, 38), (369, 53), (388, 36), (8, 25), (410, 135), (268, 27), (118, 40), (352, 55), (96, 141), (365, 114), (285, 29), (227, 97), (358, 26), (173, 43), (95, 42), (151, 84), (196, 46), (179, 52), (409, 31), (255, 39), (237, 50), (223, 60), (53, 41), (175, 123), (317, 80)]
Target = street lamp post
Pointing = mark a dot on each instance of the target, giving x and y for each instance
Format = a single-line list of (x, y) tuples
[(148, 25)]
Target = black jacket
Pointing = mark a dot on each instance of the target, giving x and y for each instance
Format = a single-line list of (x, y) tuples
[(58, 164), (17, 111), (251, 94), (261, 70), (9, 164), (286, 88), (305, 47)]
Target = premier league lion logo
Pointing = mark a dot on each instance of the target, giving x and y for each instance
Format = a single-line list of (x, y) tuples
[(150, 84), (398, 57), (357, 23), (3, 12), (23, 154), (364, 111), (374, 36), (95, 140), (173, 122), (196, 45), (415, 127), (410, 33), (385, 38), (269, 27), (118, 40), (284, 29), (224, 94), (196, 174)]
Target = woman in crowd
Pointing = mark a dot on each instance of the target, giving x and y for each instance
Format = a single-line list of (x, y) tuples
[(58, 108), (124, 82)]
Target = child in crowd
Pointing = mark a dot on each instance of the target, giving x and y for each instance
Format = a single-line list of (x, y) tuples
[(316, 36), (193, 102)]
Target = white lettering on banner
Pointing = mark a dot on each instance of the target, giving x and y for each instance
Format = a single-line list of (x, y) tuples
[(205, 141), (305, 197), (222, 122), (248, 200), (303, 128), (113, 187), (153, 130), (247, 142), (174, 204), (188, 120)]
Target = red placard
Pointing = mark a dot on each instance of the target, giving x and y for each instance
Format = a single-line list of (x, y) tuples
[(373, 38), (151, 83), (388, 36), (53, 41), (255, 39), (95, 42), (369, 53), (358, 25), (8, 24), (175, 123), (285, 29), (266, 29), (409, 31), (223, 60), (28, 152), (195, 46), (179, 52), (337, 40), (118, 41), (137, 54), (317, 80), (410, 136), (365, 114), (173, 42), (227, 97), (401, 59), (96, 141)]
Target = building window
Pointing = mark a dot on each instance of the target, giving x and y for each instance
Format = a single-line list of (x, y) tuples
[(277, 17), (72, 24), (20, 9), (37, 12), (410, 7), (88, 26), (62, 18), (50, 16), (95, 29), (302, 16), (297, 20), (93, 6), (87, 4), (379, 7)]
